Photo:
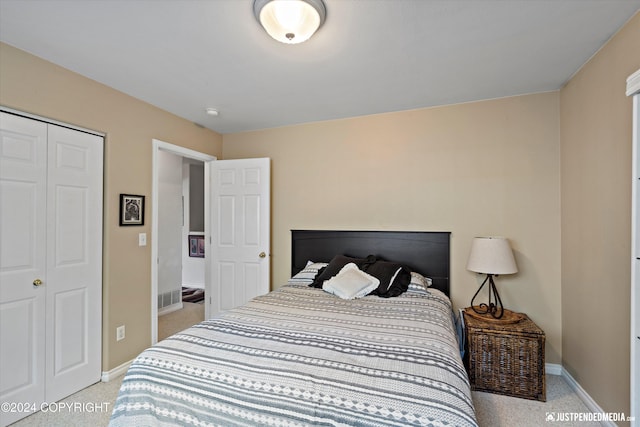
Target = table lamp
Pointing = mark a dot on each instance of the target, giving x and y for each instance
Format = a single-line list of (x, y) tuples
[(491, 256)]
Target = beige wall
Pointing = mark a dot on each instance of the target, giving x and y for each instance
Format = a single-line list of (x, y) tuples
[(494, 167), (476, 169), (596, 124), (30, 84)]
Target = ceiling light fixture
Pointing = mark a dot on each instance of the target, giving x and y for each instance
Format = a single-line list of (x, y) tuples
[(290, 21), (212, 112)]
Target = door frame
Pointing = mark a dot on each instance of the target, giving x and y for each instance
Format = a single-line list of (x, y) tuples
[(633, 90), (182, 152)]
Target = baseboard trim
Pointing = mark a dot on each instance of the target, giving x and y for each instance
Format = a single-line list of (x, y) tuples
[(553, 369), (115, 372), (591, 404)]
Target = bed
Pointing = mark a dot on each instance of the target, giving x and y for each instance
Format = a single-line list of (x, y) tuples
[(301, 356)]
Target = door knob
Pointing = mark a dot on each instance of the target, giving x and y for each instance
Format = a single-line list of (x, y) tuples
[(37, 282), (262, 255)]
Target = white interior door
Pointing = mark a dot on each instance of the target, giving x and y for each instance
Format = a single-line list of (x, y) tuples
[(50, 262), (74, 261), (23, 159), (239, 227)]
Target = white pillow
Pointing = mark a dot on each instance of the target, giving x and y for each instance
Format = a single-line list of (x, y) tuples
[(350, 283)]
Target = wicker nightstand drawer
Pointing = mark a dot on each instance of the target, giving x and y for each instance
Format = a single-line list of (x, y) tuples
[(506, 358)]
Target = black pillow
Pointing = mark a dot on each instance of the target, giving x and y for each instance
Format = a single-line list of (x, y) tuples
[(385, 272), (336, 264)]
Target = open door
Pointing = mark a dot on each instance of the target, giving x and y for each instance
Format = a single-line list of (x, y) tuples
[(238, 232)]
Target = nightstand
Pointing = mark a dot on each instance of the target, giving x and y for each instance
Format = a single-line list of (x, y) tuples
[(505, 357)]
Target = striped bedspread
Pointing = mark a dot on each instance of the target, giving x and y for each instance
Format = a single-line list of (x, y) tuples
[(300, 356)]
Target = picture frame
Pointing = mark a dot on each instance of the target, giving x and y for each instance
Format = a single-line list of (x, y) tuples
[(196, 246), (131, 209)]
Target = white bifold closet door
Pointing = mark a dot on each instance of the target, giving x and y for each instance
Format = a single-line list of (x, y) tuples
[(50, 262)]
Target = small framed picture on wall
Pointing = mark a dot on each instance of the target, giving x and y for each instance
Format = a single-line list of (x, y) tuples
[(131, 209), (196, 246)]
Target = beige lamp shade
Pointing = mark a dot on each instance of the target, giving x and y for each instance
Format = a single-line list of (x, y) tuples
[(491, 255)]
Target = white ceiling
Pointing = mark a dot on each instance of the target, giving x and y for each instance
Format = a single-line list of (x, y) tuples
[(371, 56)]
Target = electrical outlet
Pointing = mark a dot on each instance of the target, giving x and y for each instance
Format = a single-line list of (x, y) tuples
[(120, 333)]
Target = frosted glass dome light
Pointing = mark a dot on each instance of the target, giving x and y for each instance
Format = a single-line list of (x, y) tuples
[(290, 21)]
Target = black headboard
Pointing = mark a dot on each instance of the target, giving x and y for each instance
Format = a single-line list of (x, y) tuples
[(427, 253)]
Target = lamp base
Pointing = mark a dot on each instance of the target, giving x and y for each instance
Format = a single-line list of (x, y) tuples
[(508, 316), (494, 307)]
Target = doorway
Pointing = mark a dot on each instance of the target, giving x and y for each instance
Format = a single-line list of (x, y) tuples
[(175, 241)]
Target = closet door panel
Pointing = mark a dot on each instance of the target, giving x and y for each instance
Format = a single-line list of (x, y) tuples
[(71, 320), (71, 234), (23, 168), (74, 236)]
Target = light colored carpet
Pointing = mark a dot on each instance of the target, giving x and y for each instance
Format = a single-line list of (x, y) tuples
[(89, 407), (504, 411), (179, 320), (492, 410)]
